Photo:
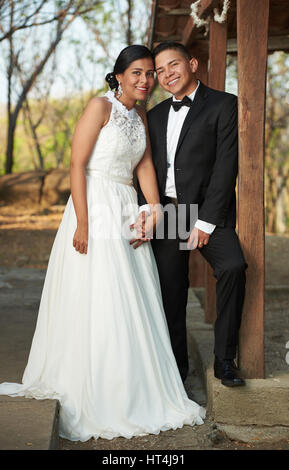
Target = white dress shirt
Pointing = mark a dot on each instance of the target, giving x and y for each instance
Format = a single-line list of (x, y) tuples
[(175, 124)]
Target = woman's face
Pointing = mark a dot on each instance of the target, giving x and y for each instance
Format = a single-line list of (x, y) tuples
[(137, 80)]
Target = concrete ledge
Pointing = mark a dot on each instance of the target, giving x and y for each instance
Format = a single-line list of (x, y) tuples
[(28, 424), (253, 434), (276, 291), (262, 402)]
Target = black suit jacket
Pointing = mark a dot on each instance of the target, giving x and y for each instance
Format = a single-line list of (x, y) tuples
[(206, 159)]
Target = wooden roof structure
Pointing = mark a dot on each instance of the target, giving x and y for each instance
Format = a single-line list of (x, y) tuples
[(171, 21), (253, 29)]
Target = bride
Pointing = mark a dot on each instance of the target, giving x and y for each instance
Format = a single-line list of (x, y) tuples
[(101, 344)]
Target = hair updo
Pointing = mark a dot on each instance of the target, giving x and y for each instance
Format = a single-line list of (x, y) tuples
[(112, 81), (128, 55)]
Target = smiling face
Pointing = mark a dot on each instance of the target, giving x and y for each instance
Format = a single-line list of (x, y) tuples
[(137, 81), (176, 73)]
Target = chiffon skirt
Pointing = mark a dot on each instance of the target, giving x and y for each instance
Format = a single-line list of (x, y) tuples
[(101, 344)]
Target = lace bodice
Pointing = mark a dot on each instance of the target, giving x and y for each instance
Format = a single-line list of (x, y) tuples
[(121, 142)]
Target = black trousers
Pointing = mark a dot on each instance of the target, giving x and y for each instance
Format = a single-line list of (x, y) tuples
[(225, 256)]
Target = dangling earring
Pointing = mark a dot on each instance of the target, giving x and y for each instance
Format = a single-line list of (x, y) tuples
[(119, 91)]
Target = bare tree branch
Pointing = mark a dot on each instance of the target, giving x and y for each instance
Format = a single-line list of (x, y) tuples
[(67, 15), (55, 17)]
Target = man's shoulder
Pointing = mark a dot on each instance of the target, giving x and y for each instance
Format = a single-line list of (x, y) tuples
[(221, 96)]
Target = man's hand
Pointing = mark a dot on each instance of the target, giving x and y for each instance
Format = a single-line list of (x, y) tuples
[(197, 238), (203, 238)]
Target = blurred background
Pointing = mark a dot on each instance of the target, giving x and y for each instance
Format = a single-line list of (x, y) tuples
[(54, 56)]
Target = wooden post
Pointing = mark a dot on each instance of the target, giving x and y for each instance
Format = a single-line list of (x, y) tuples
[(252, 40), (197, 264), (200, 50), (196, 269), (217, 76), (202, 73), (210, 295), (217, 55)]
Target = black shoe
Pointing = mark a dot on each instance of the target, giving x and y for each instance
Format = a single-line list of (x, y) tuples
[(227, 371)]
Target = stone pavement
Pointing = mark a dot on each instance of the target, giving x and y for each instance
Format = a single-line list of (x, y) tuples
[(25, 423), (32, 424)]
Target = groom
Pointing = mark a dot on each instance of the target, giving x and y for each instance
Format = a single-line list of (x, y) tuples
[(194, 139)]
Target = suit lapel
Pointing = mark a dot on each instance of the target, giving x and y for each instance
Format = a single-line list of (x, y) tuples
[(198, 103)]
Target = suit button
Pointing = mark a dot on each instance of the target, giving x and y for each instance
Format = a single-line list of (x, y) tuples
[(178, 169)]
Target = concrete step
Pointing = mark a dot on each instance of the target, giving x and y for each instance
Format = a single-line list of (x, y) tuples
[(262, 402), (28, 424)]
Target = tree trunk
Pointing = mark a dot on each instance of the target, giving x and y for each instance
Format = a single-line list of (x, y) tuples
[(10, 143), (26, 88), (129, 32)]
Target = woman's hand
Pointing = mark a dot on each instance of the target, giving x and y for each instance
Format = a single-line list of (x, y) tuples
[(146, 225), (139, 226), (80, 239)]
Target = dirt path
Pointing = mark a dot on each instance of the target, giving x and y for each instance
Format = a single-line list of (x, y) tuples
[(27, 235)]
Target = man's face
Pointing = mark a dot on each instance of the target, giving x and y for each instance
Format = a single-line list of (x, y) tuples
[(175, 72)]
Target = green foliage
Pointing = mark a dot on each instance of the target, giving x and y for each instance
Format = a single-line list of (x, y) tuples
[(54, 134), (276, 138), (157, 96), (277, 149)]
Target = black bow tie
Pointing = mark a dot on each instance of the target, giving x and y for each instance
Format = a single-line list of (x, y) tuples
[(178, 104)]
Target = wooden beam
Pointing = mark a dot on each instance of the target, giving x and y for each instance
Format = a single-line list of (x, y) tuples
[(190, 31), (174, 12), (252, 33), (275, 43), (164, 38), (207, 7)]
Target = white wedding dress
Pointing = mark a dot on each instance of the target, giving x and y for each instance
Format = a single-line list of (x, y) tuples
[(101, 344)]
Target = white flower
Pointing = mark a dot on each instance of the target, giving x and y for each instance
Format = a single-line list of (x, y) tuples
[(218, 17)]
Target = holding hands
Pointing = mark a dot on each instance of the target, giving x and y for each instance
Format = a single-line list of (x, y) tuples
[(145, 226)]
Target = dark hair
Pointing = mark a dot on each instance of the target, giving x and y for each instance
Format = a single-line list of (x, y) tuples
[(163, 46), (128, 55)]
